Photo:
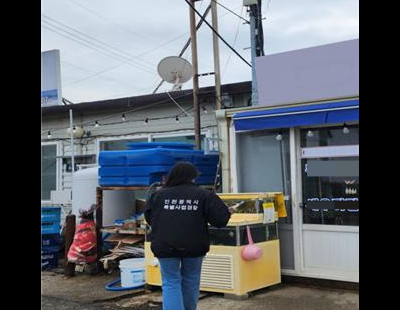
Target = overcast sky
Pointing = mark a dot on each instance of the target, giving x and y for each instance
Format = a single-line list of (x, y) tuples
[(111, 48)]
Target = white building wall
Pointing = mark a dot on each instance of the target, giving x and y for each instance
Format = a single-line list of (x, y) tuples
[(112, 128)]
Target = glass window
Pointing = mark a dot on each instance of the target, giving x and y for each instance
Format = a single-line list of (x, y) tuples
[(329, 136), (48, 170), (186, 139), (117, 145), (331, 200), (264, 163), (330, 193)]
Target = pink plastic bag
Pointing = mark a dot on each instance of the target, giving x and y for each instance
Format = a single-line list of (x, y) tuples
[(251, 251)]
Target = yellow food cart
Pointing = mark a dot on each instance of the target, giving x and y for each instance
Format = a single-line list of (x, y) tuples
[(223, 269)]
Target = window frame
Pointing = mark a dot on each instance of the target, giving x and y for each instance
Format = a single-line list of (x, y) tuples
[(58, 166), (150, 138), (352, 150), (118, 138)]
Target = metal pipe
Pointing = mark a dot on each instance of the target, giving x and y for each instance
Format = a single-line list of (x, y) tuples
[(72, 143)]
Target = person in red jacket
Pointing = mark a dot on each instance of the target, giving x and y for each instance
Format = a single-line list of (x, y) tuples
[(179, 215)]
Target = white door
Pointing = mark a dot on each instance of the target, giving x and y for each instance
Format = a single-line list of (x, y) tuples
[(329, 216)]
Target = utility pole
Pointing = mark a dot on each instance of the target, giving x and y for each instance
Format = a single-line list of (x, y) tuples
[(193, 37), (217, 69), (257, 42), (185, 47), (253, 35)]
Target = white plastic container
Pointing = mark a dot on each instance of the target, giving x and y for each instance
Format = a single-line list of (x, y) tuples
[(132, 272), (116, 204)]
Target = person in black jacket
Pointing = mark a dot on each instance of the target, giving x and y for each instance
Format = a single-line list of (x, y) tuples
[(179, 215)]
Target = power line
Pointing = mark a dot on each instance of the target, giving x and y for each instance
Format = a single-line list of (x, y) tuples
[(92, 46), (179, 106), (131, 121), (126, 112), (125, 61), (142, 132), (76, 66), (234, 43), (138, 56), (229, 10), (97, 46), (187, 44), (120, 95), (107, 76), (113, 22), (94, 39), (219, 36)]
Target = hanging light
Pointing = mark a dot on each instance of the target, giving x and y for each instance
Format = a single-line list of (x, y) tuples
[(77, 131), (48, 135), (310, 134), (96, 124), (279, 136), (177, 119), (205, 110), (146, 121), (123, 117), (346, 129)]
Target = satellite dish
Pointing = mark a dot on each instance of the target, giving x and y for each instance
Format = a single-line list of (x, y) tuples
[(175, 70)]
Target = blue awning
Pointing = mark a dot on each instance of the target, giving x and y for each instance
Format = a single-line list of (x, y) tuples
[(306, 115)]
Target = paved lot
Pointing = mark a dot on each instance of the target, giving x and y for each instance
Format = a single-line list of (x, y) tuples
[(287, 297), (85, 292)]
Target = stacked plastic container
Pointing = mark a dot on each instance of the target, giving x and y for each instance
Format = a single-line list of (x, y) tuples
[(50, 233), (146, 163)]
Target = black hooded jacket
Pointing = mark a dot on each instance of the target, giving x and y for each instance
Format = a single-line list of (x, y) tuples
[(179, 217)]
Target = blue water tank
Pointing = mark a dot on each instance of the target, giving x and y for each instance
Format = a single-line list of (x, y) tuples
[(146, 163)]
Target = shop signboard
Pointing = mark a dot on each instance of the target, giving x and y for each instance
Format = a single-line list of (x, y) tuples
[(50, 78)]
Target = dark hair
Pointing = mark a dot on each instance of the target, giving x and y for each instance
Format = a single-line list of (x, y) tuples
[(182, 173)]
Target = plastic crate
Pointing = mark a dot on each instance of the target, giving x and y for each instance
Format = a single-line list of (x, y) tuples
[(49, 258), (146, 163), (50, 228), (50, 240), (51, 214)]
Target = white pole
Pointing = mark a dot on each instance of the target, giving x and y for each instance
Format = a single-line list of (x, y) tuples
[(72, 143)]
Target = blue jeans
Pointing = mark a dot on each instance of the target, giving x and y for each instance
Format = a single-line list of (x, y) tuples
[(180, 282)]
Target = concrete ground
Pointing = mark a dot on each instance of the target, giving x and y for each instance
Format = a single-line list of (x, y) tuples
[(285, 297), (85, 292), (81, 288)]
